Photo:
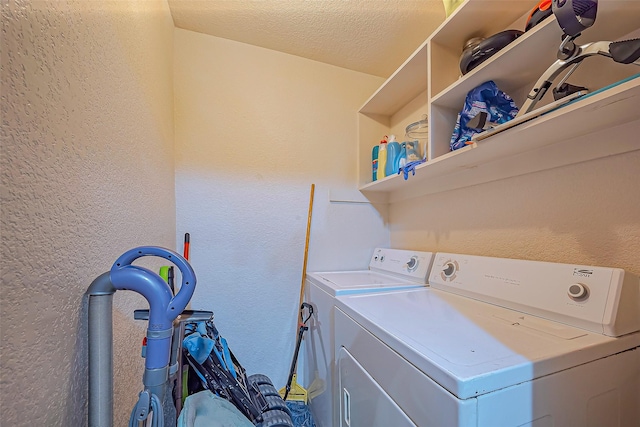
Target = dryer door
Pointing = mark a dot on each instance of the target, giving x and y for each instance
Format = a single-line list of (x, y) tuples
[(363, 403)]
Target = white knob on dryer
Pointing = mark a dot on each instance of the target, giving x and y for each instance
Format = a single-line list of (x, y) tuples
[(412, 264), (449, 269), (578, 291)]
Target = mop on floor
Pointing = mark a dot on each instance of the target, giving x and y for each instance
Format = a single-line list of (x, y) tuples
[(294, 394)]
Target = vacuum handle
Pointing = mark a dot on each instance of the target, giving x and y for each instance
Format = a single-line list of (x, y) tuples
[(164, 308), (150, 285)]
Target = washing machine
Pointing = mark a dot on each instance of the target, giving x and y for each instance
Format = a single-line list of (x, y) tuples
[(389, 269), (493, 343)]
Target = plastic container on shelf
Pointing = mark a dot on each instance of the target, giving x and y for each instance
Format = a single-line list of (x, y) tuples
[(412, 151), (394, 154), (417, 131), (382, 158), (374, 163)]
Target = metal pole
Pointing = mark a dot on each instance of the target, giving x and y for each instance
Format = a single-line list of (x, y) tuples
[(101, 352)]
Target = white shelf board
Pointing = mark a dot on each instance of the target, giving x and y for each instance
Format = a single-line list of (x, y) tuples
[(510, 68), (405, 84), (495, 16), (410, 79), (576, 133)]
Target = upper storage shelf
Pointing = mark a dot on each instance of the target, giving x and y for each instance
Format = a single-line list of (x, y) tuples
[(410, 79), (474, 18), (433, 72), (520, 62), (406, 83)]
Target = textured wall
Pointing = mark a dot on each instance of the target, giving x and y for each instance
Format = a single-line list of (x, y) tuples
[(587, 213), (87, 173), (254, 129)]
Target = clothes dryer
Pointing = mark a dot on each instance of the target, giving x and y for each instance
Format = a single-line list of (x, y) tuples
[(389, 269), (493, 343)]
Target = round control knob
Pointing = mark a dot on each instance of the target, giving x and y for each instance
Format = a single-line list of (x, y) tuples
[(578, 291), (449, 269), (412, 264)]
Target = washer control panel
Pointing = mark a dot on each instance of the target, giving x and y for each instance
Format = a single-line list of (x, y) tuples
[(411, 265), (599, 299)]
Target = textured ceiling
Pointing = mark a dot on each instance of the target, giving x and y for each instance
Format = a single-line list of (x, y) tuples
[(370, 36)]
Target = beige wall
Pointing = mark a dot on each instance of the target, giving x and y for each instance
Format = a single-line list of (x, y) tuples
[(87, 173), (588, 213), (254, 129)]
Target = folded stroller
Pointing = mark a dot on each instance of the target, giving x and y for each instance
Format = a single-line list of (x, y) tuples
[(214, 367)]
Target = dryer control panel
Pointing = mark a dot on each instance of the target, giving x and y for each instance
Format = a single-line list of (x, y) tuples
[(412, 265), (599, 299)]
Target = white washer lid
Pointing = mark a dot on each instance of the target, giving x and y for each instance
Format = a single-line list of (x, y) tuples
[(470, 347), (359, 281)]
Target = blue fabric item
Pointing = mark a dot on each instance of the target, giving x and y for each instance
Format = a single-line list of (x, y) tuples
[(201, 328), (487, 98), (204, 409), (300, 414), (198, 346), (227, 357), (410, 167)]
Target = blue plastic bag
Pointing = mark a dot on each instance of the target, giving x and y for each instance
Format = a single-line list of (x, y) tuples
[(485, 98)]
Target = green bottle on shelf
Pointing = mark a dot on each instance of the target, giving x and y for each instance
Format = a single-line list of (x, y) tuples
[(374, 162)]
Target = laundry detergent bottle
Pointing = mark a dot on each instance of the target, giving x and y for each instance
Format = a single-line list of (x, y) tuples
[(382, 158), (393, 156)]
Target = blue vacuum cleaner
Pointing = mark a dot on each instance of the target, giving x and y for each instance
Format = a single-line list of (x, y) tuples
[(164, 308)]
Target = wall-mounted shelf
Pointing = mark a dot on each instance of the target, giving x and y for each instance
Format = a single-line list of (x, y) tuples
[(572, 134), (562, 137)]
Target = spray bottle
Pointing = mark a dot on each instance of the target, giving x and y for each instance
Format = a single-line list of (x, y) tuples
[(382, 158)]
